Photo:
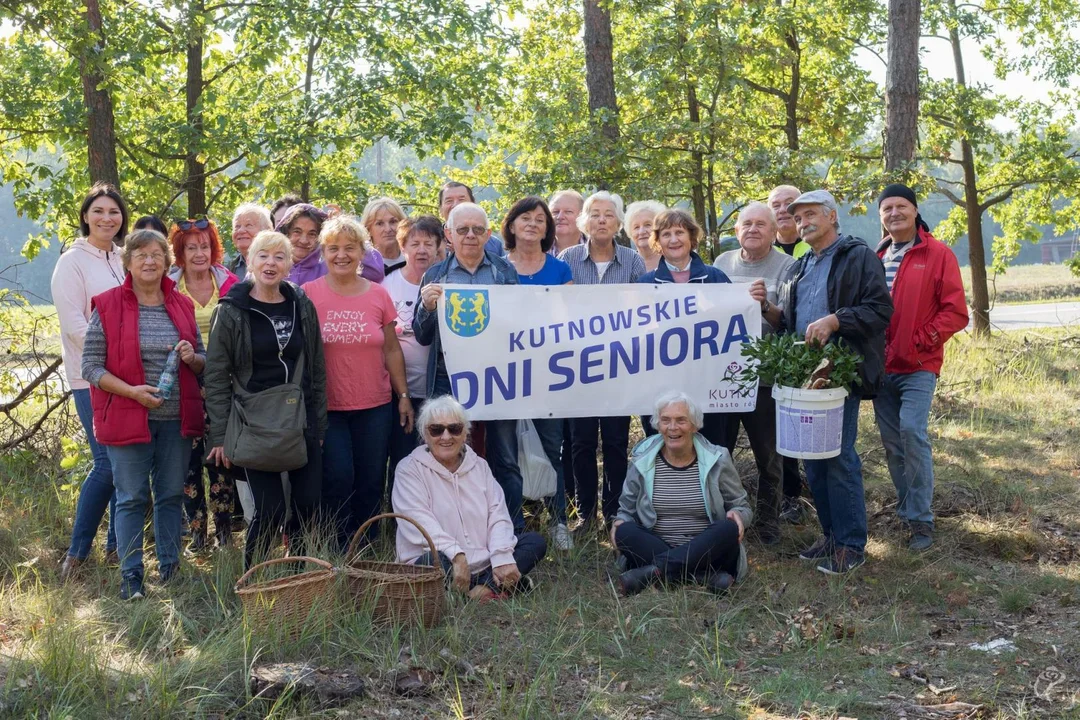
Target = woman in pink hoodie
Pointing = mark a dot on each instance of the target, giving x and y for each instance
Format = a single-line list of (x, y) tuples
[(90, 266), (450, 491)]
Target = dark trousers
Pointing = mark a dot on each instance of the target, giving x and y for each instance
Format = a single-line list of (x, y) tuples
[(760, 425), (613, 434), (792, 478), (354, 468), (716, 548), (714, 429), (200, 504), (568, 460), (529, 551), (401, 442), (305, 491)]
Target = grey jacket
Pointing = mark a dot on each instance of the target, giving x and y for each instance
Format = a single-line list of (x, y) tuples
[(720, 486)]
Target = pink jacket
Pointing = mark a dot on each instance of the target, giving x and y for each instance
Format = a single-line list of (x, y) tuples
[(82, 272), (463, 511)]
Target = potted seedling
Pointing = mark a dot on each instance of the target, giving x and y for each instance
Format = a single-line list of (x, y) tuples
[(809, 384)]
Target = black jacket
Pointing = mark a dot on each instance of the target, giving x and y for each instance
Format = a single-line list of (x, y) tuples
[(228, 354), (859, 297)]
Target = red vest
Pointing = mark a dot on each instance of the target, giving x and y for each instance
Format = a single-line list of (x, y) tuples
[(122, 421)]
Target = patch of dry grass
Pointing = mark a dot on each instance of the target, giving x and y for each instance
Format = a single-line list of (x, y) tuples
[(892, 639)]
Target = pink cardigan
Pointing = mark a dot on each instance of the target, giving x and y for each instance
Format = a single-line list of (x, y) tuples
[(463, 511)]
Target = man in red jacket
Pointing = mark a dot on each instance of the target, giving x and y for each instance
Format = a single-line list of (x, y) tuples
[(928, 297)]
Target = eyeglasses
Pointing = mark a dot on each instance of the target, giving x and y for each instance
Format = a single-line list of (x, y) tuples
[(476, 230), (141, 257), (454, 428), (200, 224)]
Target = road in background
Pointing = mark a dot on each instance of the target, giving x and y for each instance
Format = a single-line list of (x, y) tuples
[(1020, 317)]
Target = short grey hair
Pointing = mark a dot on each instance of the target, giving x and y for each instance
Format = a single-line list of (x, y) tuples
[(463, 207), (258, 211), (697, 418), (640, 206), (567, 193), (755, 205), (444, 406), (602, 195)]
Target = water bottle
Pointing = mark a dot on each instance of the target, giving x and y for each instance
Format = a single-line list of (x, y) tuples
[(168, 375)]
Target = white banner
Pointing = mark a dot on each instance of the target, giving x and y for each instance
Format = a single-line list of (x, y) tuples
[(521, 351)]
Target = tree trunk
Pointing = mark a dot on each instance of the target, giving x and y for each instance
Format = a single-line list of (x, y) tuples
[(902, 85), (195, 169), (309, 112), (980, 296), (697, 158), (791, 104), (100, 125), (600, 79)]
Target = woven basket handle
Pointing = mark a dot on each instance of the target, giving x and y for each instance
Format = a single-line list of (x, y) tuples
[(277, 561), (352, 552)]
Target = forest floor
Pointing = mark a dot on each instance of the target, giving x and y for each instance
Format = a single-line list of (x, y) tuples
[(904, 637)]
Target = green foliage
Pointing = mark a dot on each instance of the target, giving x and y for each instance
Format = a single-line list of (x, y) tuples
[(784, 360)]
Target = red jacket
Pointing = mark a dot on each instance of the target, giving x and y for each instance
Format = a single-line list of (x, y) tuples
[(929, 306), (122, 421)]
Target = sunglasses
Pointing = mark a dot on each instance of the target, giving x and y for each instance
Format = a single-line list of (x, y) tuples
[(436, 430), (200, 224)]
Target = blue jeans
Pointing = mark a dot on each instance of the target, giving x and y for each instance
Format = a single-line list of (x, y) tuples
[(354, 468), (160, 464), (837, 485), (96, 492), (550, 431), (902, 409)]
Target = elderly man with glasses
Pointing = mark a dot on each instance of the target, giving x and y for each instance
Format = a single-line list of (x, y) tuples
[(470, 263)]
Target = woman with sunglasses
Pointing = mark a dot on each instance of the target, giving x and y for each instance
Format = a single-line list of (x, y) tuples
[(146, 426), (303, 224), (449, 490), (199, 274)]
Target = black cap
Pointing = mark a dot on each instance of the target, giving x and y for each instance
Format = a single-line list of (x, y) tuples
[(898, 190)]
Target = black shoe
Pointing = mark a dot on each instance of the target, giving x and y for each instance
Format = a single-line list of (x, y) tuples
[(842, 562), (720, 582), (634, 581), (769, 534), (168, 572), (793, 510), (922, 537), (820, 550), (131, 587), (524, 586)]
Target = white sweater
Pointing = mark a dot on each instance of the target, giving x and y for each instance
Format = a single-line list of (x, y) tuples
[(82, 272)]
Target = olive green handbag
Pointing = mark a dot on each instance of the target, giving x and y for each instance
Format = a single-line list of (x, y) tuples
[(266, 428)]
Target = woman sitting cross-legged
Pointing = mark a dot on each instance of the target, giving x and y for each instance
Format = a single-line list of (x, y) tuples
[(683, 509), (450, 491)]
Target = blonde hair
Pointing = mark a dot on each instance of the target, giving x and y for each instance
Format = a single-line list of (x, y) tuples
[(346, 225), (270, 241), (374, 205)]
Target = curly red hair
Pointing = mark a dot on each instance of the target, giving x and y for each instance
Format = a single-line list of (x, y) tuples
[(178, 237)]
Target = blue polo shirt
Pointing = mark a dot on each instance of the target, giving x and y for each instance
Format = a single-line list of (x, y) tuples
[(812, 297)]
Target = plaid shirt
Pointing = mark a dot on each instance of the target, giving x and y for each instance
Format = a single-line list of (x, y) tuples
[(626, 267)]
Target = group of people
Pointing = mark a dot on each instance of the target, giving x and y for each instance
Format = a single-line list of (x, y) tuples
[(304, 379)]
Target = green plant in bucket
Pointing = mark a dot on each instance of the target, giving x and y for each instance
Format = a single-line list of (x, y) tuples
[(785, 361)]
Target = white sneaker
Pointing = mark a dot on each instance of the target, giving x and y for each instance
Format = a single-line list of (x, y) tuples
[(561, 538)]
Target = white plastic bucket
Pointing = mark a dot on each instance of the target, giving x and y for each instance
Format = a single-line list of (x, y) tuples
[(809, 423)]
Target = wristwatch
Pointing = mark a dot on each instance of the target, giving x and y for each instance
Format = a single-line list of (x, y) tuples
[(765, 306), (403, 396)]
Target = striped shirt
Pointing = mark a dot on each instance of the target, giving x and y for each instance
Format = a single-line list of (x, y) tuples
[(679, 502), (893, 257), (626, 267)]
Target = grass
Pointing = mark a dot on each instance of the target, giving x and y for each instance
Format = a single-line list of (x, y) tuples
[(1029, 284), (787, 643)]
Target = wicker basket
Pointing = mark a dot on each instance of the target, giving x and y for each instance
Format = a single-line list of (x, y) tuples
[(284, 602), (397, 592)]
